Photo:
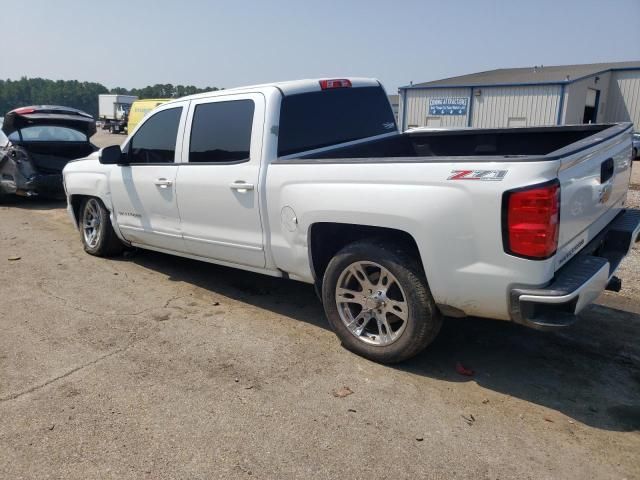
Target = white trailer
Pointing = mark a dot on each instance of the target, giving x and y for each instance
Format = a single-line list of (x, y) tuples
[(113, 111)]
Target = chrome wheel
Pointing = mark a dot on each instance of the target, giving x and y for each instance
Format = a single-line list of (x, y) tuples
[(91, 223), (372, 303)]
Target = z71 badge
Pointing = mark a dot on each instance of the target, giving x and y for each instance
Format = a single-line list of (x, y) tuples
[(483, 175)]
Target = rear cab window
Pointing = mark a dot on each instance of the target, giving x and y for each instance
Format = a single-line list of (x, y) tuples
[(329, 117)]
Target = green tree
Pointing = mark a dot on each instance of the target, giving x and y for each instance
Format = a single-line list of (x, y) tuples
[(80, 95)]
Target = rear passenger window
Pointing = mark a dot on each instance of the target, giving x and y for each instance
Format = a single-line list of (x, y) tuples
[(155, 141), (221, 132)]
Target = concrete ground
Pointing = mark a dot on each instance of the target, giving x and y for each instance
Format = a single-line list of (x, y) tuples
[(153, 366), (103, 138)]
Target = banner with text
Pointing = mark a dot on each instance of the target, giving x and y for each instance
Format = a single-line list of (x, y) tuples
[(448, 106)]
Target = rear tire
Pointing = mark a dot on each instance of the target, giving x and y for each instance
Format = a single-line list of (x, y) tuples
[(378, 302), (635, 153), (96, 232)]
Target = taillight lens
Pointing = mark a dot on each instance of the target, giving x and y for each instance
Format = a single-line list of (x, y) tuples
[(335, 83), (530, 228), (24, 110)]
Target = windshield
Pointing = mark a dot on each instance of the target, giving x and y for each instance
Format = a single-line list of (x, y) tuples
[(329, 117), (47, 133)]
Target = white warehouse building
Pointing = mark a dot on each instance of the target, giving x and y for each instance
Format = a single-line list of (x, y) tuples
[(518, 97)]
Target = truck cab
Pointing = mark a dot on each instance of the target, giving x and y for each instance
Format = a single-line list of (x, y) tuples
[(113, 111)]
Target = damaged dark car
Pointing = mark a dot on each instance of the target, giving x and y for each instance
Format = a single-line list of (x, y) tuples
[(38, 142)]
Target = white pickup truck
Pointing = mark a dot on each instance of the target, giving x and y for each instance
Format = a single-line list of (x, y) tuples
[(311, 180)]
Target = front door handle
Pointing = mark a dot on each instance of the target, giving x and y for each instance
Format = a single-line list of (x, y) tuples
[(241, 186), (163, 182)]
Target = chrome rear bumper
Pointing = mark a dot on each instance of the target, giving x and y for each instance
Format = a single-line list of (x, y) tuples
[(581, 281)]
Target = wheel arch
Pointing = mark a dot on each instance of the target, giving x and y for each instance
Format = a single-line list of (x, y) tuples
[(75, 201), (86, 178), (328, 238)]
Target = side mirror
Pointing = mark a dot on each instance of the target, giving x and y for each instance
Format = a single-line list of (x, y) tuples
[(112, 155)]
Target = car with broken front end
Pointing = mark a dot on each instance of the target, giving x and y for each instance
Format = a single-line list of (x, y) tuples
[(311, 180)]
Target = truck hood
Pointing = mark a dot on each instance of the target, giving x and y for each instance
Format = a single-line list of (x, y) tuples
[(92, 157), (49, 115), (90, 163)]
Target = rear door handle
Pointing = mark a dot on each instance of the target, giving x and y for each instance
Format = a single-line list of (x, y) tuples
[(241, 186), (163, 182)]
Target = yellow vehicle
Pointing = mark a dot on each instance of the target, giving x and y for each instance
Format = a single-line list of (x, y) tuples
[(140, 108)]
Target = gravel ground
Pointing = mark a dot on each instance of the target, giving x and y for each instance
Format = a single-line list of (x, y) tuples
[(103, 138), (629, 270), (152, 366)]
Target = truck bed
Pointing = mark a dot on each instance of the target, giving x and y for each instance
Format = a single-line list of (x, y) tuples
[(509, 143), (406, 182)]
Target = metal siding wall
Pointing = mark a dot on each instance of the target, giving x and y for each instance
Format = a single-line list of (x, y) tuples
[(418, 106), (624, 98), (538, 104), (401, 95), (576, 97)]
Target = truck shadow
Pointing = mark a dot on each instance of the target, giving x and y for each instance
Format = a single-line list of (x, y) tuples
[(25, 203), (589, 372)]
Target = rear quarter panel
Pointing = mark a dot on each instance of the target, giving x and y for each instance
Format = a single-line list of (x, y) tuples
[(455, 223)]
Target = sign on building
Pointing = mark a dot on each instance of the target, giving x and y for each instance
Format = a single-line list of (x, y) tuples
[(448, 106)]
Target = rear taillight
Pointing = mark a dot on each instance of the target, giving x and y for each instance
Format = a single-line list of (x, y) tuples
[(24, 110), (335, 83), (531, 218)]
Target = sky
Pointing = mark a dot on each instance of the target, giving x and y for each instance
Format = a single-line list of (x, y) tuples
[(134, 43)]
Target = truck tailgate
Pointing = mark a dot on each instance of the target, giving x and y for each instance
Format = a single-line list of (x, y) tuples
[(594, 177)]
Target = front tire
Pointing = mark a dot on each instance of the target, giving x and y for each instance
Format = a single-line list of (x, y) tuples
[(96, 232), (378, 302)]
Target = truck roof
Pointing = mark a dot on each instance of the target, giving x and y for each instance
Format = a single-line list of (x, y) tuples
[(291, 87)]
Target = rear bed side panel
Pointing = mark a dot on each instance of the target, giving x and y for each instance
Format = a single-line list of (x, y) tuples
[(455, 223), (594, 185)]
